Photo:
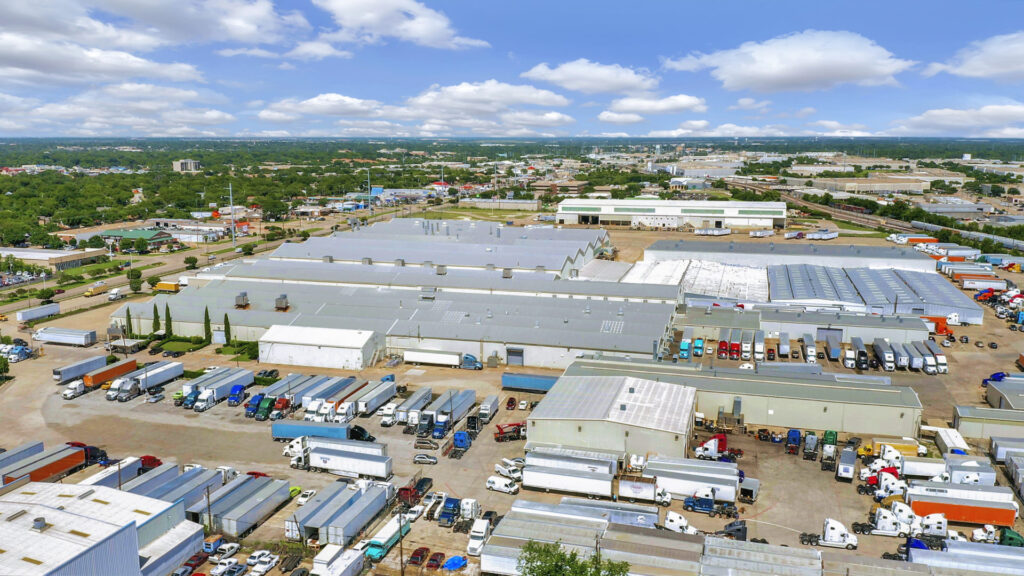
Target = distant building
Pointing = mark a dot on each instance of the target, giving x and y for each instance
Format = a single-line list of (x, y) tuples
[(186, 166), (811, 169), (959, 210), (154, 238), (672, 214), (562, 187), (54, 259), (877, 185)]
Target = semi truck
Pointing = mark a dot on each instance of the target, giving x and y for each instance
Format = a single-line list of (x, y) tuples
[(303, 444), (379, 395), (324, 391), (886, 358), (685, 342), (930, 366), (418, 400), (344, 463), (101, 376), (78, 369), (450, 414), (442, 358), (940, 357), (684, 484), (915, 361), (747, 345), (759, 346), (424, 419), (833, 347), (489, 408), (723, 343), (847, 465), (167, 287), (287, 430), (810, 351), (386, 538), (900, 355), (784, 346), (73, 390), (861, 352), (735, 336), (698, 347), (218, 390)]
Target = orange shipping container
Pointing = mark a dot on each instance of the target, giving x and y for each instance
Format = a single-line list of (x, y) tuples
[(966, 511), (54, 466), (976, 276), (921, 240), (108, 373)]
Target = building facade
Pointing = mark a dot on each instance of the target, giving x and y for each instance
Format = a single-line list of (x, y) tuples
[(672, 214)]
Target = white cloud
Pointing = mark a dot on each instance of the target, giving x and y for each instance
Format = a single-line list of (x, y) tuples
[(614, 134), (276, 116), (751, 104), (127, 109), (999, 57), (688, 128), (316, 50), (835, 125), (329, 104), (654, 105), (254, 52), (537, 118), (701, 128), (34, 60), (805, 112), (372, 21), (619, 117), (490, 96), (592, 77), (994, 121), (802, 61)]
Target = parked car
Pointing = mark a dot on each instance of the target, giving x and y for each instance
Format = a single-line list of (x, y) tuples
[(746, 366), (155, 399), (267, 374), (524, 404), (256, 557), (236, 570), (305, 496), (197, 560), (1013, 327), (979, 343), (964, 339), (771, 354), (424, 459), (491, 516), (510, 404), (993, 345), (155, 350), (946, 343), (183, 571), (419, 556), (821, 355), (425, 444), (221, 569), (436, 559), (177, 354), (227, 551), (265, 565)]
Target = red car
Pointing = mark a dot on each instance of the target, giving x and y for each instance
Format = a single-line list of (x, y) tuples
[(511, 404), (257, 474), (436, 559), (197, 560), (419, 556), (58, 291)]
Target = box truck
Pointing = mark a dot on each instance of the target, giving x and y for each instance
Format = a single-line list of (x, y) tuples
[(442, 358), (78, 369)]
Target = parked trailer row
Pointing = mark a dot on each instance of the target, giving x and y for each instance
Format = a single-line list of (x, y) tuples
[(115, 475), (683, 485), (418, 400), (218, 390), (78, 369), (100, 376), (376, 397), (287, 430), (48, 465)]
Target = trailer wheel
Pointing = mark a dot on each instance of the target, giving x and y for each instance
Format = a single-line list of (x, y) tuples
[(902, 534), (712, 514), (851, 547)]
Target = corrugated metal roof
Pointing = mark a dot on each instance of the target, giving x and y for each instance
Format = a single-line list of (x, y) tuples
[(626, 400), (818, 251), (976, 412)]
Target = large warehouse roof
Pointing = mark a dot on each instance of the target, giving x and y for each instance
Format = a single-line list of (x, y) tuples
[(795, 253), (673, 207), (824, 387), (304, 335), (621, 399), (629, 327), (28, 551), (481, 232)]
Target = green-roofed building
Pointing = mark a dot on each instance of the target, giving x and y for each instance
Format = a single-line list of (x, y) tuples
[(154, 238)]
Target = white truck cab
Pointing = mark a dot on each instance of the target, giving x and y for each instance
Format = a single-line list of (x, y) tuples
[(478, 535)]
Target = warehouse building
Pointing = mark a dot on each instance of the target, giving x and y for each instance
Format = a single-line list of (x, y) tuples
[(1007, 394), (54, 259), (843, 403), (976, 422), (631, 415), (70, 529), (876, 185), (454, 244), (672, 214), (760, 254), (958, 210), (321, 347), (517, 330)]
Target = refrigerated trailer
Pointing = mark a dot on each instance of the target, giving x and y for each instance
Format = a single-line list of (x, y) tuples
[(883, 352), (747, 345), (940, 357), (378, 396), (784, 349), (44, 311), (681, 485), (860, 353), (325, 390), (915, 361), (759, 346), (78, 369), (489, 408), (344, 463), (68, 336), (596, 484), (158, 374), (900, 355), (810, 350), (418, 400)]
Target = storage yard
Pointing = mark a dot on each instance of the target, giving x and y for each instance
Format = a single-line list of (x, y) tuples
[(381, 350)]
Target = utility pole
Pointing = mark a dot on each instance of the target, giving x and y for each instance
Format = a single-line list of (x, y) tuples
[(401, 536), (231, 201), (209, 513)]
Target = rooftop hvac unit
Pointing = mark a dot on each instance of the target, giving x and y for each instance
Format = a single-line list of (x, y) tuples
[(328, 259), (540, 269), (489, 267), (399, 263), (441, 270), (428, 264), (368, 261), (242, 300), (281, 302), (506, 272)]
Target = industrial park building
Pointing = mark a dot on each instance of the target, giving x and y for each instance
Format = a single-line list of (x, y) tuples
[(783, 399), (627, 415), (672, 214), (760, 254), (73, 529), (54, 259)]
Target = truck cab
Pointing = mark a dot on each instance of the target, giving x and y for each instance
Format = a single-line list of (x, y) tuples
[(237, 395), (114, 389), (311, 411), (478, 535), (263, 412), (281, 408), (469, 362), (451, 510), (205, 401), (698, 347), (424, 426), (723, 349), (128, 392), (684, 350), (252, 405), (191, 399), (74, 389)]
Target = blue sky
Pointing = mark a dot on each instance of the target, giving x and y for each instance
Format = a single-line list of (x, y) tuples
[(518, 69)]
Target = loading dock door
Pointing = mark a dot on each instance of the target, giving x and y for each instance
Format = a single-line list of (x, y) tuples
[(515, 356), (824, 333)]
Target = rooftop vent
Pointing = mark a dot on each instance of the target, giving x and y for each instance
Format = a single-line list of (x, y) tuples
[(632, 390), (400, 263), (281, 302), (441, 270), (506, 272), (622, 407), (39, 524), (328, 259), (621, 311), (368, 261), (242, 300)]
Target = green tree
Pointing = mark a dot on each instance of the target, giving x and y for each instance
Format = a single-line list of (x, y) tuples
[(45, 293), (134, 274), (207, 328), (248, 249), (547, 559), (191, 262), (227, 329), (125, 244), (153, 281), (141, 245), (5, 367), (128, 322), (156, 318), (135, 284), (95, 242), (168, 330)]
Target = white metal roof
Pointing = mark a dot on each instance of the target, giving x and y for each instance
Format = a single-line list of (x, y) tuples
[(306, 336), (110, 504), (28, 552)]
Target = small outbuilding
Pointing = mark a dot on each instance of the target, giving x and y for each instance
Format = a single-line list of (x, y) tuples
[(320, 347)]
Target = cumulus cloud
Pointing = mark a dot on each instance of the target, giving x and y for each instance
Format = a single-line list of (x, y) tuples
[(837, 129), (751, 104), (654, 105), (588, 77), (702, 128), (316, 50), (373, 21), (805, 112), (488, 96), (802, 61), (537, 118), (999, 57), (993, 121), (328, 104), (619, 117)]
